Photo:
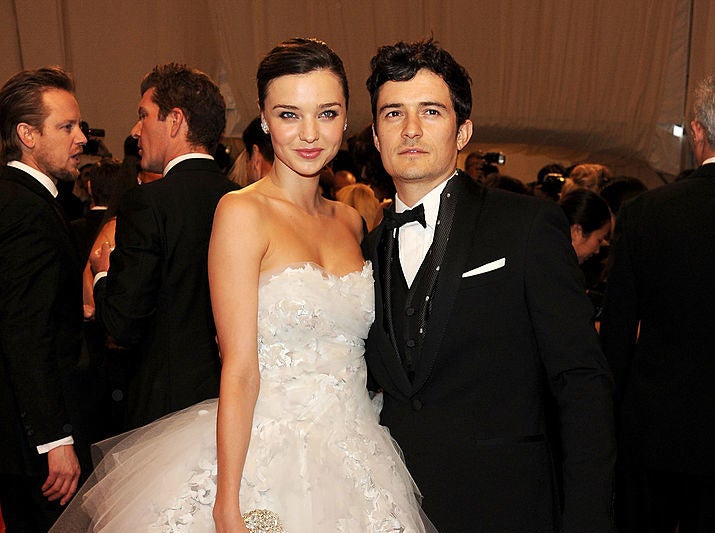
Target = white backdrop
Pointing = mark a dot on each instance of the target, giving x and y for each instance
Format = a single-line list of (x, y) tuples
[(600, 80)]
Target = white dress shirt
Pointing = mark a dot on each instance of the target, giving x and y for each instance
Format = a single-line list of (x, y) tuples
[(414, 240), (178, 159), (44, 180)]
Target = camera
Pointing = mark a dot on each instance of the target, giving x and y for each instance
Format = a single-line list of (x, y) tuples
[(93, 135), (553, 182), (494, 158)]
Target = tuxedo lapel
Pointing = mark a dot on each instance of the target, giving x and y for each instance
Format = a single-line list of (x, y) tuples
[(461, 238), (391, 359)]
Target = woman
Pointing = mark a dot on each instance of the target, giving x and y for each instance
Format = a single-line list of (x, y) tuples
[(590, 221), (297, 438), (587, 176), (362, 197)]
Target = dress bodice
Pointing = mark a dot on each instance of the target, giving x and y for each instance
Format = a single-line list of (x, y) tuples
[(311, 330)]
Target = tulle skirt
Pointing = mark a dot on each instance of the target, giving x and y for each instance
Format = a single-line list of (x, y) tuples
[(316, 474)]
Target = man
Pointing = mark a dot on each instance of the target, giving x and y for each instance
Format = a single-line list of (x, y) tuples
[(658, 333), (470, 343), (155, 296), (41, 444), (259, 150), (477, 168)]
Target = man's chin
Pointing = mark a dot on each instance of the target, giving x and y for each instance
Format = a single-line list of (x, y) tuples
[(66, 175)]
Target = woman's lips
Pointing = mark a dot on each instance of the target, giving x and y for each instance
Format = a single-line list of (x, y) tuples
[(310, 153)]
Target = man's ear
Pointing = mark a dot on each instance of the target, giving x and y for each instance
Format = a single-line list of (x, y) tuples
[(699, 133), (256, 158), (176, 120), (374, 138), (464, 133), (26, 134)]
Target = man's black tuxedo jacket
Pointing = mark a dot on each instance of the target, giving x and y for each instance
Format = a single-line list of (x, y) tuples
[(662, 275), (156, 293), (40, 326), (498, 344)]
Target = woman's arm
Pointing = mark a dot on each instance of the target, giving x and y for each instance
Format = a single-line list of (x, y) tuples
[(237, 247)]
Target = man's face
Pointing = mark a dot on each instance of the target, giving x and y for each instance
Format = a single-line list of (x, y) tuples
[(152, 133), (416, 130), (58, 146)]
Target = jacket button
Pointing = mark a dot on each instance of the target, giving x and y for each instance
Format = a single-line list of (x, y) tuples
[(411, 343), (410, 311), (416, 404)]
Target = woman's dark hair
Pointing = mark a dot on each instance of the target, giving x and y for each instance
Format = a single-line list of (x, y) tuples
[(402, 61), (585, 208), (299, 56)]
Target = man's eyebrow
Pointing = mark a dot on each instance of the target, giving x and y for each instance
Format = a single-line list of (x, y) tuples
[(433, 104), (421, 104), (390, 106)]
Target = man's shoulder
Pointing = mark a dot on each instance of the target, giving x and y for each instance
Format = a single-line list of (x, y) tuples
[(19, 189), (671, 195)]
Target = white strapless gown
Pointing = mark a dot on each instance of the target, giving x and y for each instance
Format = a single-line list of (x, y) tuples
[(317, 457)]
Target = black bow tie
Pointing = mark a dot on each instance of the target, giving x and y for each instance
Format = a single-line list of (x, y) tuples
[(395, 220)]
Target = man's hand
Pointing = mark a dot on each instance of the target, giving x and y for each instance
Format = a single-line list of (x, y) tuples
[(64, 473), (99, 258)]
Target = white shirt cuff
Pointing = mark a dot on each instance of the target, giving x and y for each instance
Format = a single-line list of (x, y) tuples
[(44, 448), (98, 276)]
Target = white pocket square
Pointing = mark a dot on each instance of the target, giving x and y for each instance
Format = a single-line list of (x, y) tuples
[(499, 263)]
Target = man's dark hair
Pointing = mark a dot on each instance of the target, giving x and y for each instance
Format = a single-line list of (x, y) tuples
[(253, 136), (402, 61), (198, 97), (21, 101), (299, 56), (103, 178)]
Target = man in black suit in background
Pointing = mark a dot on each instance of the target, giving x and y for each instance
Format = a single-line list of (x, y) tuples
[(155, 295), (658, 333), (481, 318), (41, 441)]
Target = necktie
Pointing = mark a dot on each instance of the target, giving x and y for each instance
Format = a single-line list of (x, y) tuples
[(395, 220)]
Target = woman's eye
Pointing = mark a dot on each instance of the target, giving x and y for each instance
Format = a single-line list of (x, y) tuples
[(329, 113), (288, 114)]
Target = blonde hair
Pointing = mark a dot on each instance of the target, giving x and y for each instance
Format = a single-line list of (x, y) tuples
[(587, 176), (362, 198)]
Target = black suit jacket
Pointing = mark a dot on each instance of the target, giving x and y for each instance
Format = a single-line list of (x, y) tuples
[(40, 326), (156, 293), (662, 275), (498, 345)]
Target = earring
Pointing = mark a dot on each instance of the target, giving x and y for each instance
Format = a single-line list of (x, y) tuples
[(264, 126), (345, 126)]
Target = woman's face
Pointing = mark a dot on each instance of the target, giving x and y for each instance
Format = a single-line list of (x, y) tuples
[(306, 116), (586, 245)]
